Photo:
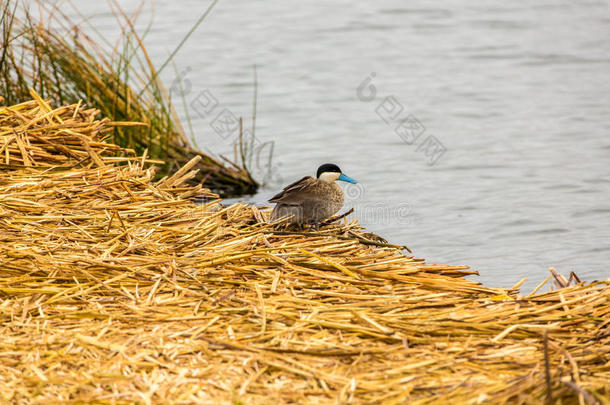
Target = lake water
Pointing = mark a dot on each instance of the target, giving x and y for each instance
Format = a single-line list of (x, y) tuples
[(485, 139)]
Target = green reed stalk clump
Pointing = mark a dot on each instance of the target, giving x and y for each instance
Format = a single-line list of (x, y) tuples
[(64, 65)]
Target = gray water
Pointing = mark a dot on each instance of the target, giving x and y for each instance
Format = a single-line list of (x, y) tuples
[(505, 164)]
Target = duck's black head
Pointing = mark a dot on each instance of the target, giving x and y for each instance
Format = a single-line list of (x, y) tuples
[(330, 172), (328, 168)]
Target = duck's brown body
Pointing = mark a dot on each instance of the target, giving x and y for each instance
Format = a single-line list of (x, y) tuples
[(307, 201)]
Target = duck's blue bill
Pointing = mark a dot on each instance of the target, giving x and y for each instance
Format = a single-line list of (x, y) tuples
[(343, 177)]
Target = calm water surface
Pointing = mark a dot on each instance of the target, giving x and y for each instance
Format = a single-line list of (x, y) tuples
[(516, 93)]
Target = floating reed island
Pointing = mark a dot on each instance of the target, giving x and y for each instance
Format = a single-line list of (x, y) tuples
[(116, 288)]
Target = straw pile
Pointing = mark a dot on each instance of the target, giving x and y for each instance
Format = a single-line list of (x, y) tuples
[(118, 289)]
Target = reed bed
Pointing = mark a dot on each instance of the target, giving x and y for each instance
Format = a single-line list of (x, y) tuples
[(56, 58), (116, 288)]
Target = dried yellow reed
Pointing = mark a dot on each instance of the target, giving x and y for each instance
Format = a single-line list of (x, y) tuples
[(118, 289)]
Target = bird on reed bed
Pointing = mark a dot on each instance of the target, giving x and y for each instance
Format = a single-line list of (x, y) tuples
[(311, 201)]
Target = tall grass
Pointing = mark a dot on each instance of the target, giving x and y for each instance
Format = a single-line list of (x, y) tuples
[(55, 57)]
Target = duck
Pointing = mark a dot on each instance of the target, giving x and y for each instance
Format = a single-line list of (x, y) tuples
[(311, 200)]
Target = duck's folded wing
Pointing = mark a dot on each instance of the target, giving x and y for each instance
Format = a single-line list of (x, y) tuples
[(294, 193)]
